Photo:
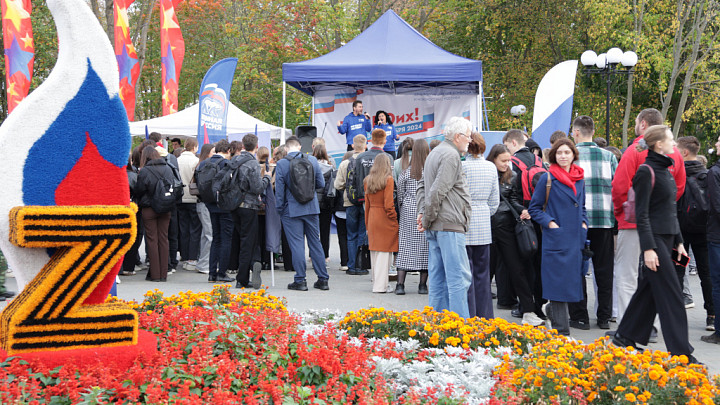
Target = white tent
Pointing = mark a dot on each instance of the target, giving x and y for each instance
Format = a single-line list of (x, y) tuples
[(185, 123)]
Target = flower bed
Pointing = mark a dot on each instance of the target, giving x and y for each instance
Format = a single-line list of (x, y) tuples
[(544, 367), (222, 348)]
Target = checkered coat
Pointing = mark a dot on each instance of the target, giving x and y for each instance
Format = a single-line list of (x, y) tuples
[(482, 180), (413, 253), (599, 166)]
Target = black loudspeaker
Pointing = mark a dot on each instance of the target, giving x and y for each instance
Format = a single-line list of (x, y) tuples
[(306, 134)]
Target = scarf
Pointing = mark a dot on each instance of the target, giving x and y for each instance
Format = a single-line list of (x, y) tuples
[(568, 178)]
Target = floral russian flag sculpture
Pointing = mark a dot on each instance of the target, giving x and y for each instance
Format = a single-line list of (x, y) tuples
[(65, 214)]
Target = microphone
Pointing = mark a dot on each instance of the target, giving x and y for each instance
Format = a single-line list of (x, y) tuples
[(323, 131)]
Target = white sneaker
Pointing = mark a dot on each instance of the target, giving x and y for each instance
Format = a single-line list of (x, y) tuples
[(203, 271), (190, 265), (117, 280), (9, 273), (343, 268), (529, 318), (545, 308)]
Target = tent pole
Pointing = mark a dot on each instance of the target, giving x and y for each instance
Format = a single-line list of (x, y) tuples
[(312, 109), (479, 107), (282, 134)]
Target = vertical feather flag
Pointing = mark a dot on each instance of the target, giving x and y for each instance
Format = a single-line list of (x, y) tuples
[(553, 102), (172, 52), (19, 49), (214, 100), (126, 57)]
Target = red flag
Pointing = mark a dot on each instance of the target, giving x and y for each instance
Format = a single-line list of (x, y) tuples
[(19, 49), (126, 56), (172, 52)]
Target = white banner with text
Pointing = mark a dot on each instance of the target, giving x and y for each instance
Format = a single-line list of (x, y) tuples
[(420, 114)]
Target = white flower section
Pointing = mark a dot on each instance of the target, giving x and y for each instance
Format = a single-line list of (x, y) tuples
[(458, 374), (314, 321)]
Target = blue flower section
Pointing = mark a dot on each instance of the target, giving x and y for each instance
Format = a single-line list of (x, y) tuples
[(91, 112)]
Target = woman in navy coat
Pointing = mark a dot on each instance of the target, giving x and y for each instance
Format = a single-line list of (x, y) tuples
[(564, 224)]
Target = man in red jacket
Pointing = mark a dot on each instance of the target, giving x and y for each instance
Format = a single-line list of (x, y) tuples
[(627, 254)]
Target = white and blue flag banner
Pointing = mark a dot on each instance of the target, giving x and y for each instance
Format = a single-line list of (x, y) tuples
[(553, 102)]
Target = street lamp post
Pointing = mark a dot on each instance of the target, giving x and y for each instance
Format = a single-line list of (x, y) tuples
[(607, 64)]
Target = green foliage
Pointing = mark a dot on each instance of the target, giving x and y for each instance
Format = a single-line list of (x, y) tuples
[(517, 40)]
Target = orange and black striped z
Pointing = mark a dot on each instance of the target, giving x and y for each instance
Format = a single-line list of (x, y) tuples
[(49, 313)]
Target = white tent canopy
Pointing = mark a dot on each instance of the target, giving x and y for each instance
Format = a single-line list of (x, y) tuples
[(185, 123)]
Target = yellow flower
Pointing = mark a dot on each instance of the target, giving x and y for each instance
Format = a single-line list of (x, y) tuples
[(412, 333), (630, 397), (619, 388)]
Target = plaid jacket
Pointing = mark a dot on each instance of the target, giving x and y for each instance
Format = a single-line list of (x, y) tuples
[(599, 166)]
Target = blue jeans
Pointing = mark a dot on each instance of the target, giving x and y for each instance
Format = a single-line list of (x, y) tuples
[(714, 261), (448, 272), (356, 235), (296, 230)]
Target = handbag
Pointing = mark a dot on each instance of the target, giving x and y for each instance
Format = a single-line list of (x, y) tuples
[(629, 205), (524, 234), (362, 260), (193, 188)]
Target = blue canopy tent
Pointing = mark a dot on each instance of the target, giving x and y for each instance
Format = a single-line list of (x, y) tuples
[(389, 56)]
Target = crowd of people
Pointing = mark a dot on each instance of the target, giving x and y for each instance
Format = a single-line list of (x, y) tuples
[(540, 222)]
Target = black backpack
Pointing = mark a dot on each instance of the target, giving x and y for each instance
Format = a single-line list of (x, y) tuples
[(693, 205), (302, 178), (326, 195), (227, 184), (163, 198), (178, 186), (204, 177), (355, 194)]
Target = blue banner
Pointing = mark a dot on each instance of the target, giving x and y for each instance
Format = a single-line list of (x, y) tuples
[(215, 101)]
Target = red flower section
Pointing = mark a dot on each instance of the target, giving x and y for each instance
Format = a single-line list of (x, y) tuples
[(219, 355)]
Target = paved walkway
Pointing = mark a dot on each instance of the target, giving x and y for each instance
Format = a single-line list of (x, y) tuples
[(349, 293)]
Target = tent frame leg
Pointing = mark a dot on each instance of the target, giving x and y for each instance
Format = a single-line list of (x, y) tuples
[(478, 106), (284, 102)]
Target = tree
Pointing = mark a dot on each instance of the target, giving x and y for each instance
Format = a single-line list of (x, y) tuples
[(691, 46)]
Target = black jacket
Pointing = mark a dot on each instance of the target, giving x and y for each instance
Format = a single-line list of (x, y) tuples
[(713, 197), (510, 194), (688, 224), (251, 183), (148, 176), (366, 160), (221, 162), (132, 181), (655, 207)]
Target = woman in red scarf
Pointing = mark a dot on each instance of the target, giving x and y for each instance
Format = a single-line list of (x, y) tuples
[(558, 205)]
